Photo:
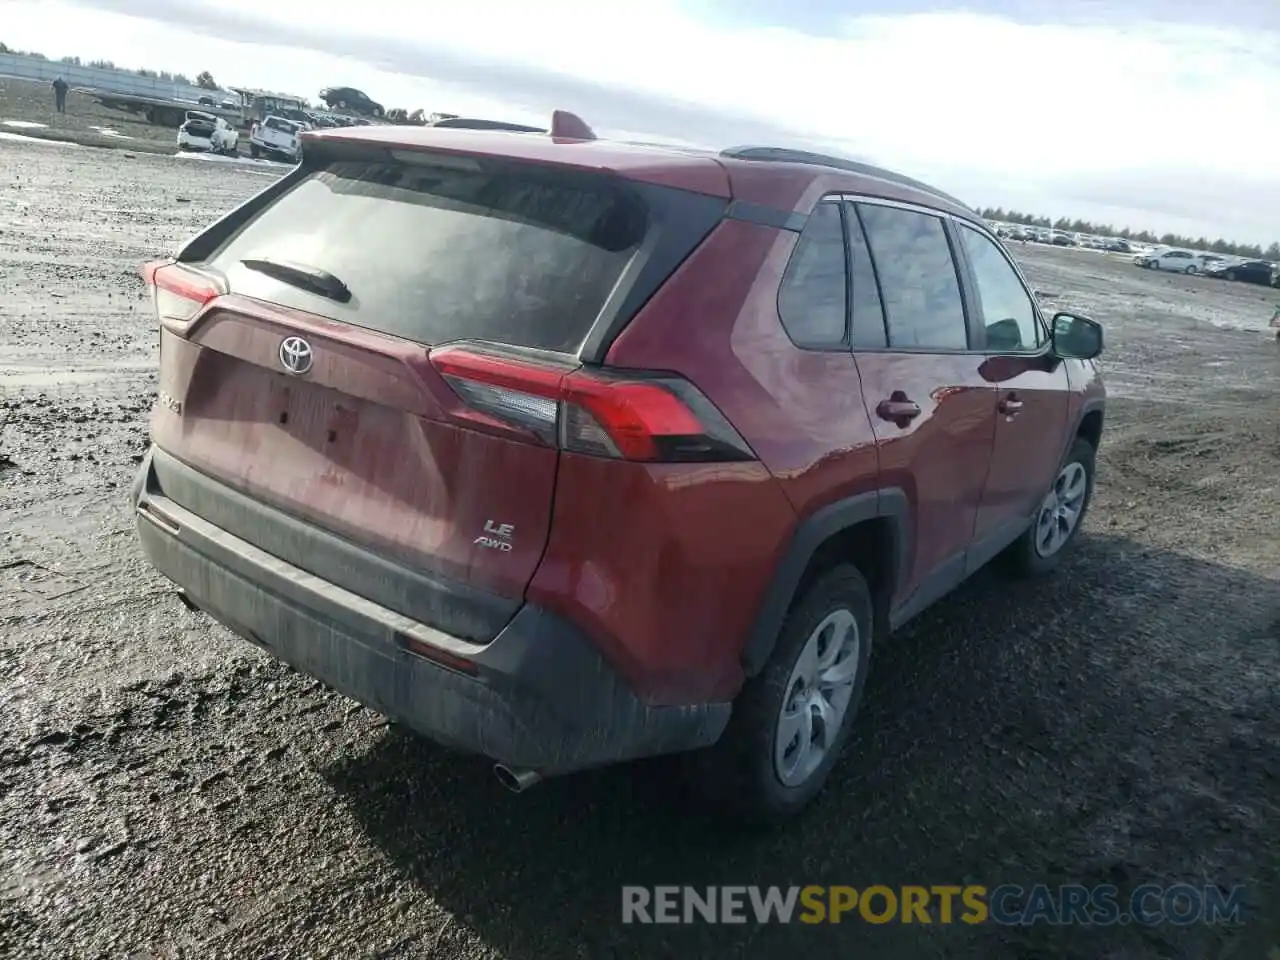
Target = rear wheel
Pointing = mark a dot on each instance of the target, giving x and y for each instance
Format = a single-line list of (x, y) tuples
[(1231, 274), (790, 722), (1059, 516), (1190, 270)]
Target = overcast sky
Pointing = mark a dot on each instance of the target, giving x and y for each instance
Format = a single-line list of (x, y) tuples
[(1156, 113)]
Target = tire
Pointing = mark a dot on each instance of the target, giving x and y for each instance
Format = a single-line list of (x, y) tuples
[(1026, 558), (1190, 271), (254, 151), (1231, 274), (377, 112), (342, 104), (742, 775)]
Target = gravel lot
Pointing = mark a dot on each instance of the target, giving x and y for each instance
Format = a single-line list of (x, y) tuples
[(167, 791)]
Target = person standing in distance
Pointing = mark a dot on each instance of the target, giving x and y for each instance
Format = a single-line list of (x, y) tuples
[(60, 95)]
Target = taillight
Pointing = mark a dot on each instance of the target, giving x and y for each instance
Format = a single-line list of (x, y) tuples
[(178, 292), (627, 415)]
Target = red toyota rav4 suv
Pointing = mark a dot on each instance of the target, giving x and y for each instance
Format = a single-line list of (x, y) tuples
[(567, 452)]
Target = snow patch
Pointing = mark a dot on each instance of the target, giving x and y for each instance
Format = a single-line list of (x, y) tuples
[(24, 124), (108, 132), (19, 138), (244, 161)]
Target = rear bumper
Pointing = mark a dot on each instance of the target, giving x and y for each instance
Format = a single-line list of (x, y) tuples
[(541, 697)]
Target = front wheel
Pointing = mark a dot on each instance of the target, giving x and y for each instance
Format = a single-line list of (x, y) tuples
[(1058, 518), (1190, 270), (1231, 274), (790, 723)]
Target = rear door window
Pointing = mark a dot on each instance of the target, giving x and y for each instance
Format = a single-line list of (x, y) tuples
[(918, 280), (440, 250)]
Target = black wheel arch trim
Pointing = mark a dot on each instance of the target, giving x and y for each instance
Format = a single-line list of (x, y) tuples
[(889, 503), (1096, 405)]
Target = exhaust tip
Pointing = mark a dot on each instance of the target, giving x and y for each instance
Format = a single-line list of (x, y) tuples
[(187, 601), (517, 781)]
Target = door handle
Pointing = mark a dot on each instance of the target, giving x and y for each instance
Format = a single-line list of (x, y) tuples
[(898, 409), (1010, 405)]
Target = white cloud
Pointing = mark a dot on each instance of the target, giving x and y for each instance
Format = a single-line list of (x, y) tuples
[(996, 111)]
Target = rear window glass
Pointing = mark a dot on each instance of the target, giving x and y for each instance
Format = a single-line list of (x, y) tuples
[(433, 253), (287, 126)]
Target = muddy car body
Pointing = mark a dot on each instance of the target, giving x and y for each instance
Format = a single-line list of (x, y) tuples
[(568, 452)]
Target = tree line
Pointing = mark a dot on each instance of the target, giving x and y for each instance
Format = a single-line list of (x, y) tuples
[(1066, 224)]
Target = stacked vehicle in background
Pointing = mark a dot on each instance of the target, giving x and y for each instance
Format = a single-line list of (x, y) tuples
[(349, 99)]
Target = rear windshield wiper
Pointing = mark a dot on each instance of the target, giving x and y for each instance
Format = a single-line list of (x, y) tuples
[(306, 278)]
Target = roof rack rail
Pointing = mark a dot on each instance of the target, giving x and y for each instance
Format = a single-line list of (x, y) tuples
[(477, 123), (785, 155), (564, 126)]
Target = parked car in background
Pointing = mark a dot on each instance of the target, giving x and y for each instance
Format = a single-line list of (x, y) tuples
[(434, 433), (349, 98), (1178, 261), (205, 132), (1119, 246), (1245, 271), (277, 138)]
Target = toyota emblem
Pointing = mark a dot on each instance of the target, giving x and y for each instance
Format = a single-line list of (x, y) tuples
[(295, 355)]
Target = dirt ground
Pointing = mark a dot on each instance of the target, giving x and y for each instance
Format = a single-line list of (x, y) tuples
[(168, 791)]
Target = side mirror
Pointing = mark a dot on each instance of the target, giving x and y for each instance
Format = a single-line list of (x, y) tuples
[(1075, 337)]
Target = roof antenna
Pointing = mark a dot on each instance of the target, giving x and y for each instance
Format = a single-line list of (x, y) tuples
[(570, 126)]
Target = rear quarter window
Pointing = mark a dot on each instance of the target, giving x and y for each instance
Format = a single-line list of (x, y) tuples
[(812, 300), (507, 254)]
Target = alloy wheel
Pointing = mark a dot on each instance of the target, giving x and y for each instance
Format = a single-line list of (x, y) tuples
[(1060, 511), (817, 698)]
